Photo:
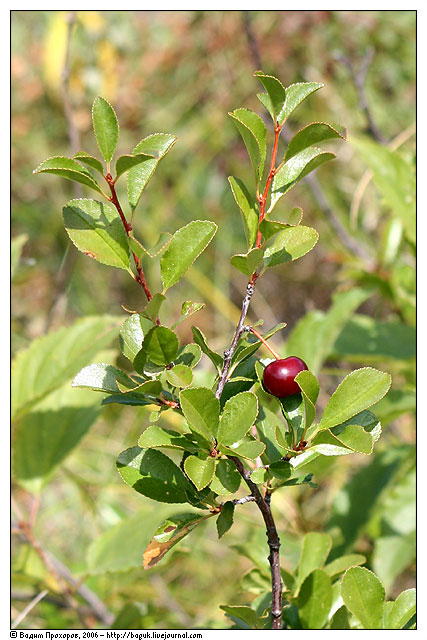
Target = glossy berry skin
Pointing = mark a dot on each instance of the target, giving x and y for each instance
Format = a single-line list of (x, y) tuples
[(279, 376)]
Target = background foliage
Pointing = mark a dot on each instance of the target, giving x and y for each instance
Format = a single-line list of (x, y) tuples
[(348, 303)]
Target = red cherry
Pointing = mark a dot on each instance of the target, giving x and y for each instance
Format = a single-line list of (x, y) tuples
[(279, 376)]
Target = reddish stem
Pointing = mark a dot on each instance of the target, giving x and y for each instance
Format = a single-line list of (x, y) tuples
[(140, 278), (263, 199), (264, 342)]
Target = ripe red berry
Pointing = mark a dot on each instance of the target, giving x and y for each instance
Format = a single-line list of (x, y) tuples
[(279, 376)]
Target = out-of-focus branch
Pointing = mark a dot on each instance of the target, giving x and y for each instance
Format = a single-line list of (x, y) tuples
[(73, 133), (359, 79), (253, 45), (61, 573), (62, 277), (28, 608)]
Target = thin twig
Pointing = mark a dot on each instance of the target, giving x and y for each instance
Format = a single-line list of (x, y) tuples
[(359, 79), (169, 602), (228, 355), (28, 608), (273, 542), (244, 500), (62, 574)]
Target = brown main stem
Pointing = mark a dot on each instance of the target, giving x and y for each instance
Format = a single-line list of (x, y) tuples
[(263, 502)]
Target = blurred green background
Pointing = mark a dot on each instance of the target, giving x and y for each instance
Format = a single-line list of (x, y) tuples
[(180, 72)]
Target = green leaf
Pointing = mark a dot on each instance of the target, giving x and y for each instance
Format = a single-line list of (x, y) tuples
[(254, 133), (309, 386), (17, 244), (224, 522), (393, 554), (340, 619), (201, 410), (281, 102), (269, 228), (238, 416), (315, 550), (160, 247), (256, 582), (363, 337), (365, 419), (293, 408), (396, 403), (179, 376), (245, 617), (200, 340), (106, 127), (341, 564), (154, 475), (363, 595), (152, 309), (394, 177), (126, 162), (403, 609), (314, 336), (188, 308), (294, 170), (355, 437), (295, 94), (281, 469), (247, 207), (275, 98), (160, 347), (358, 501), (107, 553), (327, 444), (46, 435), (189, 355), (103, 377), (248, 449), (185, 247), (200, 471), (291, 243), (132, 335), (89, 160), (155, 437), (266, 426), (174, 529), (96, 229), (131, 616), (133, 399), (68, 168), (50, 361), (314, 600), (227, 479), (247, 263), (313, 134), (156, 145), (358, 391)]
